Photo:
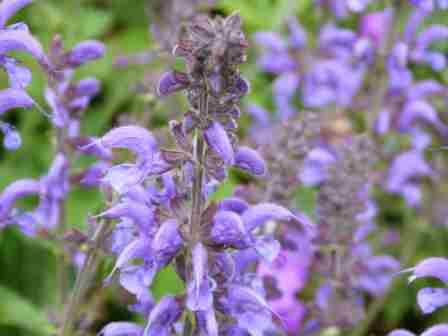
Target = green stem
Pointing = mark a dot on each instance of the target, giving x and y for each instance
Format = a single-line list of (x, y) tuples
[(83, 279)]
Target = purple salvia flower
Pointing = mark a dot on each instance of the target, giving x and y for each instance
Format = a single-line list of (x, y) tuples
[(13, 192), (22, 40), (162, 317), (14, 98), (430, 299), (228, 230), (434, 267), (172, 81), (167, 242), (259, 214), (250, 160), (10, 7), (219, 142), (200, 296), (121, 329), (84, 52)]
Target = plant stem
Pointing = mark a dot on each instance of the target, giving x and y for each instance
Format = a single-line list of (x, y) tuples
[(83, 279), (199, 158)]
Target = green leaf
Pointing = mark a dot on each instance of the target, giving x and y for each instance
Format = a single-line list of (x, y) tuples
[(167, 282), (16, 311), (306, 200)]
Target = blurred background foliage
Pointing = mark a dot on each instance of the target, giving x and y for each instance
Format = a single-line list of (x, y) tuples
[(28, 267)]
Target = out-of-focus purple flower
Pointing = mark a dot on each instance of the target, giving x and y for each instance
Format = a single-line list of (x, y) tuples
[(421, 52), (313, 171), (331, 81), (336, 41), (285, 87), (9, 7), (14, 98), (297, 38), (437, 330), (430, 5), (403, 170), (85, 52), (13, 192), (261, 213), (121, 328), (375, 26)]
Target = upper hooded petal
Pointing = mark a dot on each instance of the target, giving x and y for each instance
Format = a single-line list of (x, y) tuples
[(437, 330), (22, 40), (10, 7), (261, 213), (14, 98), (435, 267), (121, 329), (84, 52), (134, 138), (218, 140), (14, 191), (250, 160), (163, 316)]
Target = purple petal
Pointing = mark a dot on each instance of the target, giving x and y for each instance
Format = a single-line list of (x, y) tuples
[(136, 249), (14, 191), (438, 330), (14, 98), (140, 214), (400, 332), (234, 204), (286, 85), (200, 296), (267, 247), (432, 267), (163, 316), (219, 142), (228, 229), (136, 280), (87, 87), (259, 214), (430, 299), (19, 76), (172, 81), (84, 52), (270, 40), (375, 26), (277, 63), (297, 37), (314, 170), (417, 109), (134, 138), (425, 88), (9, 7), (121, 329), (405, 167), (20, 40), (250, 160), (259, 114), (207, 323), (167, 242), (12, 140)]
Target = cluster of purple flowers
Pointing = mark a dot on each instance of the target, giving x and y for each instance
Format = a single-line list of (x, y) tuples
[(67, 100), (162, 201), (347, 71)]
